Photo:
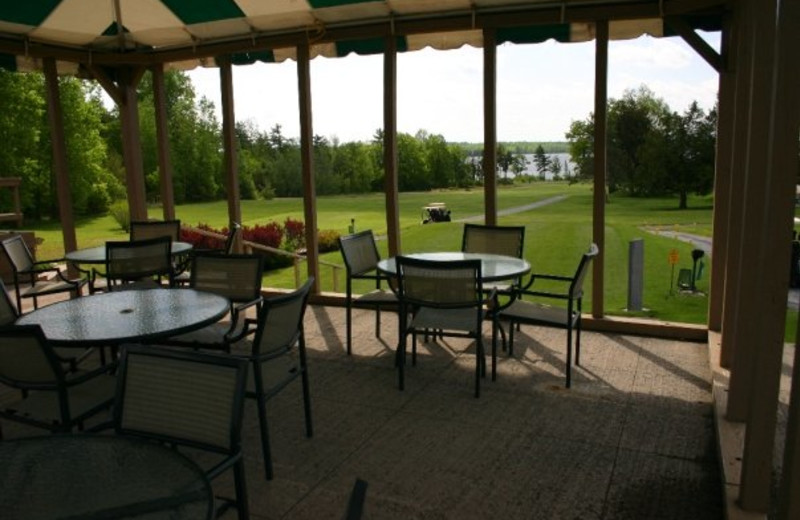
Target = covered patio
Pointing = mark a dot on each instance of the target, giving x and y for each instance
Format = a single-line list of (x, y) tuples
[(633, 437), (628, 376)]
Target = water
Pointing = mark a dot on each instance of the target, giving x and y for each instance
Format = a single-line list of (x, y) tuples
[(530, 167)]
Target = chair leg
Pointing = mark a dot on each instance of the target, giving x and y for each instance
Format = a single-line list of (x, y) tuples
[(242, 505), (578, 342), (262, 423), (511, 337), (378, 321), (414, 347), (348, 323), (494, 349), (480, 365), (569, 355)]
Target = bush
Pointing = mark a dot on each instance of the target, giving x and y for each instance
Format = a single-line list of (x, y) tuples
[(269, 234), (119, 210), (328, 240), (200, 241), (295, 234)]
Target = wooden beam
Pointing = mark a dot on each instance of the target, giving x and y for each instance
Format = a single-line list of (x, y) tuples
[(229, 145), (722, 177), (162, 141), (390, 183), (307, 156), (55, 119), (131, 144), (489, 127), (774, 214), (700, 46), (599, 199), (108, 84)]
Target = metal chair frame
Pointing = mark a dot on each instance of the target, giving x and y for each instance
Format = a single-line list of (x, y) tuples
[(27, 270), (127, 269), (363, 267), (434, 306), (169, 416), (535, 313)]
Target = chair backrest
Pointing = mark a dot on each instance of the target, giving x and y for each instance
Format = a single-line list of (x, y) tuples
[(8, 312), (576, 287), (359, 252), (446, 284), (230, 241), (189, 398), (496, 240), (237, 277), (280, 321), (139, 259), (142, 230), (18, 253), (26, 359)]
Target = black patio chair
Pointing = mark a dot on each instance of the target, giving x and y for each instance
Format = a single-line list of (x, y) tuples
[(184, 275), (445, 296), (361, 262), (536, 313), (29, 274), (188, 399), (145, 229), (278, 357), (238, 278), (9, 314), (51, 398), (139, 264)]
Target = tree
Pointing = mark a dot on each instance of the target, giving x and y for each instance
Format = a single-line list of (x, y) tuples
[(541, 161), (505, 158)]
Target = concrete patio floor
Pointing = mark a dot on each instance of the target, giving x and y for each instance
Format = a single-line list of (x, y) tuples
[(633, 438)]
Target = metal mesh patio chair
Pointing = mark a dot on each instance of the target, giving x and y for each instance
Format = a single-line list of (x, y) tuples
[(9, 314), (186, 399), (184, 276), (278, 357), (144, 229), (28, 281), (495, 240), (238, 278), (536, 313), (361, 261), (444, 296), (139, 264), (51, 397)]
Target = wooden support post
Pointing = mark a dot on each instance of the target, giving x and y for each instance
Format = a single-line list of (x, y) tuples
[(61, 171), (390, 185), (162, 140), (722, 175), (128, 79), (599, 202), (775, 217), (307, 156), (733, 253), (490, 127), (229, 146)]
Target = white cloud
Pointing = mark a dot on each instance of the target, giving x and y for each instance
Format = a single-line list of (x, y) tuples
[(541, 89)]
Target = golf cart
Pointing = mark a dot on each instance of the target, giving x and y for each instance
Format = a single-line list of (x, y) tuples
[(435, 212)]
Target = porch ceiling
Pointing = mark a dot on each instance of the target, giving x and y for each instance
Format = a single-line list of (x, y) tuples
[(190, 32)]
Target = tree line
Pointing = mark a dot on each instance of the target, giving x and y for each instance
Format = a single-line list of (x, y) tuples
[(651, 150)]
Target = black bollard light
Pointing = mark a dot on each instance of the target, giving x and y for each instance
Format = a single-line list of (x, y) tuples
[(697, 254)]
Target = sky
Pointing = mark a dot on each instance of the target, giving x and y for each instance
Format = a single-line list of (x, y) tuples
[(541, 89)]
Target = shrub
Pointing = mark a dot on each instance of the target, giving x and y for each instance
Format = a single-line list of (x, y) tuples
[(328, 240), (200, 241), (295, 234), (119, 210), (269, 234)]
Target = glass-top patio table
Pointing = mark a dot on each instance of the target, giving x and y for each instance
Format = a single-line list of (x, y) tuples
[(126, 316), (97, 255), (100, 477), (494, 268)]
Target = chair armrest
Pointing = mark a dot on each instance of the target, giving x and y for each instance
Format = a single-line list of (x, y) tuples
[(545, 294), (231, 335)]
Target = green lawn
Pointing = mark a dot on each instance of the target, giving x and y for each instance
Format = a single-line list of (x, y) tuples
[(556, 235)]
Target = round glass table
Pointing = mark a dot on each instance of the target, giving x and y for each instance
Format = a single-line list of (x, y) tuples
[(99, 477), (126, 316), (97, 255), (494, 268)]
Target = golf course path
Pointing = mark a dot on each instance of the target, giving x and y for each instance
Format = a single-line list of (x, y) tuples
[(517, 209)]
